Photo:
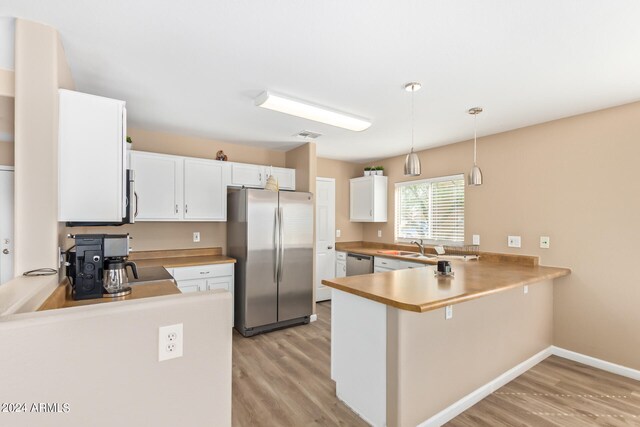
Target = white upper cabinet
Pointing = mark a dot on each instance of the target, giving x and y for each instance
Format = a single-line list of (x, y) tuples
[(159, 182), (368, 199), (247, 175), (174, 188), (255, 176), (205, 190), (91, 158)]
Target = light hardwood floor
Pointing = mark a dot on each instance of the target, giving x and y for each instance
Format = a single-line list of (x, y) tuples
[(283, 378), (558, 392)]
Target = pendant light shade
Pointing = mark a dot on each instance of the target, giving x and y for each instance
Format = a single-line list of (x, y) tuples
[(412, 161), (475, 176), (412, 164)]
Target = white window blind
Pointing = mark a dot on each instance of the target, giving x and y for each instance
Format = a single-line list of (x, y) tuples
[(431, 209)]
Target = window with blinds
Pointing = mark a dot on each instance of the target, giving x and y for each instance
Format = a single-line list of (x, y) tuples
[(431, 209)]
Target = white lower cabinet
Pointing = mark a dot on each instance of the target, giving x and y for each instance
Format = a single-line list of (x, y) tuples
[(205, 278), (382, 264), (341, 264)]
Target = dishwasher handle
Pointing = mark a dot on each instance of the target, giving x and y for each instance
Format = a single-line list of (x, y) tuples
[(360, 257)]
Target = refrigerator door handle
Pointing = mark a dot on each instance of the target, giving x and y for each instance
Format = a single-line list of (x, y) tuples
[(276, 244), (281, 272)]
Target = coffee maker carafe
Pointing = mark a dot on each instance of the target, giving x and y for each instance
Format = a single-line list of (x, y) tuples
[(97, 268)]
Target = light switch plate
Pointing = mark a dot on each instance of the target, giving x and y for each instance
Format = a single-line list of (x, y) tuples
[(526, 289), (545, 242), (514, 241), (338, 233), (476, 239)]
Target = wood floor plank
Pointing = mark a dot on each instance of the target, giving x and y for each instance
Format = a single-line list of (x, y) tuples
[(283, 378)]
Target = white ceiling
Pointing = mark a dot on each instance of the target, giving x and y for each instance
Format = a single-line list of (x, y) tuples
[(194, 67)]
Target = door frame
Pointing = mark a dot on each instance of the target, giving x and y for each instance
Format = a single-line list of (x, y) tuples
[(5, 168), (326, 293)]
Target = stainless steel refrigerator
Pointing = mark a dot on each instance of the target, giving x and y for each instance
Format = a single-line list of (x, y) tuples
[(270, 234)]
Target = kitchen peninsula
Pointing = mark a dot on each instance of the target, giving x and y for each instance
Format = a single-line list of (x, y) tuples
[(398, 361)]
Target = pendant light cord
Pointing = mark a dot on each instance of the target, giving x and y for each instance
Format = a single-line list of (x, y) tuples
[(412, 119), (475, 138)]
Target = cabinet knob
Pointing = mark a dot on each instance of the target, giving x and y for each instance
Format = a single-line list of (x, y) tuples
[(370, 212), (176, 208), (5, 251), (329, 247)]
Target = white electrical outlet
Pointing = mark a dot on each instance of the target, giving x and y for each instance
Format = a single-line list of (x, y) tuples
[(526, 289), (170, 341), (338, 232), (514, 241), (545, 242), (379, 233), (448, 312), (196, 236), (476, 239)]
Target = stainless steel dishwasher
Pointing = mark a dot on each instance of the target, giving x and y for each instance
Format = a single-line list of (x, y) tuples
[(359, 264)]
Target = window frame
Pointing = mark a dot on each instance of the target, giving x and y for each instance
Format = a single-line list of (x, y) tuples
[(426, 241)]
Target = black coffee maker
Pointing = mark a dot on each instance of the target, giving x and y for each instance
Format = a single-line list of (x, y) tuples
[(96, 268)]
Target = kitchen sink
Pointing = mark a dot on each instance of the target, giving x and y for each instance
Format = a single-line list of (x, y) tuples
[(415, 255), (398, 253)]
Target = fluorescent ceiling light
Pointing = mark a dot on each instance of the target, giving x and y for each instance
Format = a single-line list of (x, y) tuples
[(311, 112)]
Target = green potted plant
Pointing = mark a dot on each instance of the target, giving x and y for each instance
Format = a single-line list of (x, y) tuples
[(380, 170), (367, 170)]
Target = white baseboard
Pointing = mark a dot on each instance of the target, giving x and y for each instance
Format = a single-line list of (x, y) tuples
[(476, 396), (596, 363), (313, 318)]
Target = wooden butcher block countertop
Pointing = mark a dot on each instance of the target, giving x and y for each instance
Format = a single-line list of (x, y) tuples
[(421, 290), (180, 257)]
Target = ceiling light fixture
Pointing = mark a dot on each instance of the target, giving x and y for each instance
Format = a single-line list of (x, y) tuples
[(310, 111), (412, 161), (475, 176)]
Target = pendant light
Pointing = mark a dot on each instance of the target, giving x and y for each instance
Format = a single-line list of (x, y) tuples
[(475, 176), (412, 161)]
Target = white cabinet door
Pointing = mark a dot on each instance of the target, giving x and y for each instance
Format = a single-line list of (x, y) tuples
[(91, 158), (158, 181), (205, 190), (225, 283), (341, 268), (361, 200), (187, 286), (286, 177), (381, 269), (368, 199), (247, 175)]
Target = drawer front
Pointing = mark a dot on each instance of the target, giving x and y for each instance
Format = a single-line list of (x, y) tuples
[(187, 286), (408, 264), (381, 269), (225, 283), (389, 263), (202, 271), (341, 256)]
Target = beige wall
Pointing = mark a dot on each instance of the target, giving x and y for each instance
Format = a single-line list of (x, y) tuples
[(574, 180), (342, 171), (6, 130), (103, 361), (7, 87), (433, 362), (181, 145), (40, 69)]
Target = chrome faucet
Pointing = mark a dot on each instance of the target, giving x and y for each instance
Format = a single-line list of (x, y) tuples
[(420, 245)]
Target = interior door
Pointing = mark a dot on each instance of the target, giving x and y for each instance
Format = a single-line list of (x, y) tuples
[(205, 192), (325, 235), (6, 225), (295, 286)]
